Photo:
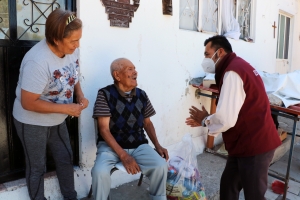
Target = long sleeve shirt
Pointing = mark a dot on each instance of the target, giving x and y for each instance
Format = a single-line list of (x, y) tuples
[(230, 102)]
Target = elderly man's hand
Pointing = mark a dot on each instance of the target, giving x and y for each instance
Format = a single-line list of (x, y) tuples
[(130, 164), (162, 152), (197, 115)]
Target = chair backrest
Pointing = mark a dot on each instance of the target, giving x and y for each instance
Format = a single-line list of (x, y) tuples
[(96, 130)]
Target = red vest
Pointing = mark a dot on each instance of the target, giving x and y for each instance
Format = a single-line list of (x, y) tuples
[(254, 132)]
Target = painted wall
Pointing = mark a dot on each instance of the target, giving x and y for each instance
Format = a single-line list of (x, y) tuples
[(166, 59)]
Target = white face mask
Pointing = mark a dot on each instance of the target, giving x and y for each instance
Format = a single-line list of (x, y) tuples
[(208, 64)]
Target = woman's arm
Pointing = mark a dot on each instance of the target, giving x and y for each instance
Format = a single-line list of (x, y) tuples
[(32, 102), (80, 96)]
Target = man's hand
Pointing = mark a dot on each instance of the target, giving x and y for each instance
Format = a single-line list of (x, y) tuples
[(162, 152), (190, 122), (130, 164), (197, 115)]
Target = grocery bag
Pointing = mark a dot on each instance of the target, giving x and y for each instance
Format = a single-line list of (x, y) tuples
[(183, 180)]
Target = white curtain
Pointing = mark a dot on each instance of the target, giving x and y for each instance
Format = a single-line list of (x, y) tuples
[(230, 26)]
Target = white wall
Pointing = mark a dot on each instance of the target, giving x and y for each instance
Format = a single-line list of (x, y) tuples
[(166, 59)]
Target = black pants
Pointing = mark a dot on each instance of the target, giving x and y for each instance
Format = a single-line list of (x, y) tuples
[(35, 139), (247, 173)]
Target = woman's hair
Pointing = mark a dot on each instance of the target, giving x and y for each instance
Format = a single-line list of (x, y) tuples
[(60, 24)]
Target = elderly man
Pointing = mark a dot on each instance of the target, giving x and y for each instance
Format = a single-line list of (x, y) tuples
[(123, 112)]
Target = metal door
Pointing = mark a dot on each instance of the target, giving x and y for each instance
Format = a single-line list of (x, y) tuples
[(22, 25)]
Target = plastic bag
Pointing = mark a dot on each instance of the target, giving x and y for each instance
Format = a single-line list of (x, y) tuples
[(183, 180)]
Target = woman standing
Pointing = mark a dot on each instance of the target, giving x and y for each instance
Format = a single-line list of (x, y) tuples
[(48, 78)]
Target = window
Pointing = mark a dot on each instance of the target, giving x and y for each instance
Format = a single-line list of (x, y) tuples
[(209, 16), (232, 18), (188, 15), (283, 36), (243, 14), (4, 16), (32, 27)]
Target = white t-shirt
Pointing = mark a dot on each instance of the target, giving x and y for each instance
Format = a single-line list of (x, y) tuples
[(42, 72)]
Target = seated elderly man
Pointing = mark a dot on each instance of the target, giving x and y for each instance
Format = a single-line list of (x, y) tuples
[(123, 112)]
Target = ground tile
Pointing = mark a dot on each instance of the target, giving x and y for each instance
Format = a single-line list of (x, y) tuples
[(292, 196), (294, 187), (270, 195)]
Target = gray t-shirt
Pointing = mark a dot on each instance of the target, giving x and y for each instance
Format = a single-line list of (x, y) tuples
[(42, 72)]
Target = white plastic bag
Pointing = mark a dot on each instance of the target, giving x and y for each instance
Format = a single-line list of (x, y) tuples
[(183, 182)]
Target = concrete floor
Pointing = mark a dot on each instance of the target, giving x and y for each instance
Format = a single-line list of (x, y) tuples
[(211, 168)]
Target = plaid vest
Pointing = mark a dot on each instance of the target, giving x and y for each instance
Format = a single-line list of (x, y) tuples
[(127, 118)]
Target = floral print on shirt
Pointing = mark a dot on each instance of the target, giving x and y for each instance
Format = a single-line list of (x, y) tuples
[(61, 84)]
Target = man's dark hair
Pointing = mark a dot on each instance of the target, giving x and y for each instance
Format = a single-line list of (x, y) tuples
[(219, 41)]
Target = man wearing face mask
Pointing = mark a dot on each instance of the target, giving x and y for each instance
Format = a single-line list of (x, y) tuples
[(243, 116)]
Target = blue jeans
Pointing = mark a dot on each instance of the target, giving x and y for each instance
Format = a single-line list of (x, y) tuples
[(151, 164)]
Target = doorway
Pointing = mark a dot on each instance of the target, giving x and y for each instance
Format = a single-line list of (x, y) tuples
[(22, 25), (283, 44)]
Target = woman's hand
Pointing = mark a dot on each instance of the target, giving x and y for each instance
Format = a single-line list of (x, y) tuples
[(74, 109), (83, 102)]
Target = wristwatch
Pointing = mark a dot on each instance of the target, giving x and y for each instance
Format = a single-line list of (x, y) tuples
[(203, 122)]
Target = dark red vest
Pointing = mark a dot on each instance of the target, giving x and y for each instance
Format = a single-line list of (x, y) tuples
[(254, 132)]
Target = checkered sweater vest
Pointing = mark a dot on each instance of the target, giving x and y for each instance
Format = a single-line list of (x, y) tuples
[(127, 118)]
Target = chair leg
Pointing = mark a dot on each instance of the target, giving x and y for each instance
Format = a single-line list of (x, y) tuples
[(141, 179), (90, 193)]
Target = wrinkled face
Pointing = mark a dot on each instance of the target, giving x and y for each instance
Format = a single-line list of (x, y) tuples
[(70, 43), (128, 75)]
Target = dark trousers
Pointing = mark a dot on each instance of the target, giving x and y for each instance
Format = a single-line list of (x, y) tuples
[(35, 139), (247, 173)]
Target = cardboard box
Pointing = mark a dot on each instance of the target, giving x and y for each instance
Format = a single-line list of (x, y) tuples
[(282, 134), (209, 80)]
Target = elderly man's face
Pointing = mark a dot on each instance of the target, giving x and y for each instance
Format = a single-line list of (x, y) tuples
[(128, 75)]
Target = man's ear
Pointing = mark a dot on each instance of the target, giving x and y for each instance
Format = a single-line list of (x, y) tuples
[(221, 52), (116, 75)]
